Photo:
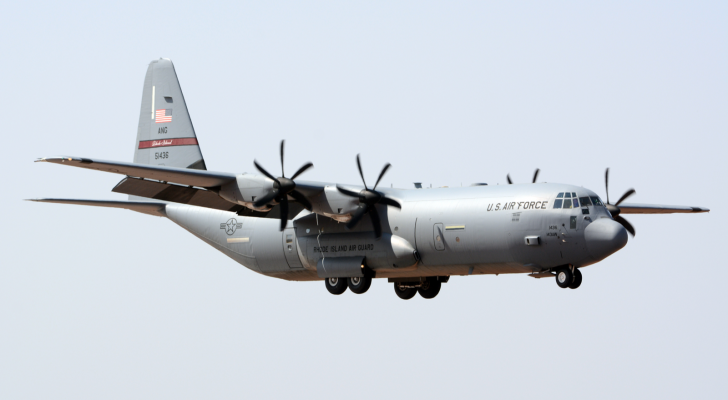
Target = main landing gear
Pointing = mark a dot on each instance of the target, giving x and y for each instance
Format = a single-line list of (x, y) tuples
[(357, 285), (336, 285), (568, 277), (428, 287)]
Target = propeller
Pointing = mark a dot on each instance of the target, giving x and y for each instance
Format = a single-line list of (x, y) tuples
[(282, 188), (614, 208), (368, 199), (535, 176)]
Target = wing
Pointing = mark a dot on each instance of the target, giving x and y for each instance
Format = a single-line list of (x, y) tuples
[(658, 209), (144, 207), (193, 196), (184, 176)]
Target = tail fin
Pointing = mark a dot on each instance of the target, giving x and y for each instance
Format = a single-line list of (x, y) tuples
[(166, 135)]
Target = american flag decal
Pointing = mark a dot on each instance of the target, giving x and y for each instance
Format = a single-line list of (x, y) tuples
[(163, 116)]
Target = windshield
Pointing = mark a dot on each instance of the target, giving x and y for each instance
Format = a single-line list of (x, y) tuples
[(597, 201)]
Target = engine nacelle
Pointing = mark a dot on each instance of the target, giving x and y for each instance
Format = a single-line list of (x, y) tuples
[(246, 189)]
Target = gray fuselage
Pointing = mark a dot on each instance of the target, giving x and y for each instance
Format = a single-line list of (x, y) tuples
[(438, 232)]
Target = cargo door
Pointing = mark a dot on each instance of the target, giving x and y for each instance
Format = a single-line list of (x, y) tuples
[(290, 248)]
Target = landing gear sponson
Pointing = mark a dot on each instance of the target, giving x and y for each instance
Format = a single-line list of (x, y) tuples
[(405, 288)]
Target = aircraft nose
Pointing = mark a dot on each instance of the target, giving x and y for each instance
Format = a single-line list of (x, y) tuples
[(604, 237)]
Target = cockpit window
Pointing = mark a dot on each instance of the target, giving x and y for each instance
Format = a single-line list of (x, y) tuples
[(567, 195), (596, 201), (560, 196), (576, 202), (584, 201), (567, 202), (557, 202)]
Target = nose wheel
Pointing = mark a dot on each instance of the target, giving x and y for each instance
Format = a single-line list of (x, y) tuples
[(565, 278), (577, 279)]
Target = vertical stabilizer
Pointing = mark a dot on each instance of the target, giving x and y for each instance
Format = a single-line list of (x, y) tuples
[(166, 135)]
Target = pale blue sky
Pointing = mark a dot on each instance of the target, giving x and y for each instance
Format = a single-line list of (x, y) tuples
[(98, 303)]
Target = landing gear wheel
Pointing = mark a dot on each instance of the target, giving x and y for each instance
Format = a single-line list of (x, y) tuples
[(430, 289), (359, 285), (403, 292), (336, 285), (564, 278), (577, 279)]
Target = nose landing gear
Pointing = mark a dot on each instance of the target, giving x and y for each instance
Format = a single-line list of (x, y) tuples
[(577, 279), (568, 278)]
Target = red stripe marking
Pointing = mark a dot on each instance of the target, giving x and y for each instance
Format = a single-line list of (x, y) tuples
[(146, 144)]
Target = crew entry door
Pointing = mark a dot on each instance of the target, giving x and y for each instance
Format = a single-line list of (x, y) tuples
[(290, 248)]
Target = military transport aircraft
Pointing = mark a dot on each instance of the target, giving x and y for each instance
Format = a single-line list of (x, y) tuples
[(298, 230)]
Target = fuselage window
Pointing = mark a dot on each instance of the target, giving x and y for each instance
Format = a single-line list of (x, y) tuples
[(560, 195), (567, 202), (557, 202)]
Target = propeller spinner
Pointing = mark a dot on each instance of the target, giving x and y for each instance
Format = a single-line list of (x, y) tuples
[(614, 208), (282, 188), (368, 199)]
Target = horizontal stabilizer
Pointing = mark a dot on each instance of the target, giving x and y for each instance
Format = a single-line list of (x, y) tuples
[(184, 176), (151, 208), (658, 209)]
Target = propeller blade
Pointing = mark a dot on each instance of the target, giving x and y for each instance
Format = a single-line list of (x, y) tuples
[(390, 202), (357, 216), (381, 174), (302, 170), (374, 215), (535, 175), (266, 199), (263, 171), (301, 199), (283, 174), (508, 177), (626, 194), (358, 164), (347, 191), (284, 212), (606, 183), (625, 224)]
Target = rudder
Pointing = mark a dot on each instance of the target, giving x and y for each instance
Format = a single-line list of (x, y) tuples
[(166, 135)]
